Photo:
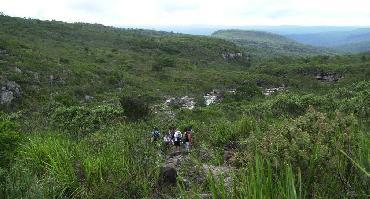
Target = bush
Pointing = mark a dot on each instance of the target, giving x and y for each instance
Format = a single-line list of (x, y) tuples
[(80, 120), (294, 105), (162, 62), (311, 143), (134, 108), (9, 140), (247, 91)]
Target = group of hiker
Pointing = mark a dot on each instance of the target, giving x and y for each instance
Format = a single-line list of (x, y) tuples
[(175, 137)]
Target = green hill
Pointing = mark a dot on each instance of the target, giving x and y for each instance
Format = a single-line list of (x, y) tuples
[(356, 40), (355, 47), (78, 103), (68, 61), (268, 45)]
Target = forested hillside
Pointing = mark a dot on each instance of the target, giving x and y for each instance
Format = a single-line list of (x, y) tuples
[(269, 118), (55, 60), (268, 45), (346, 41)]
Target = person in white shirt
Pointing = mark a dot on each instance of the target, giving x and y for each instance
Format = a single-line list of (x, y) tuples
[(177, 140)]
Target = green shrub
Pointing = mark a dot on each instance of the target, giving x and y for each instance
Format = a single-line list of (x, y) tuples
[(247, 91), (80, 120), (163, 62), (134, 108), (293, 104), (9, 140), (312, 142)]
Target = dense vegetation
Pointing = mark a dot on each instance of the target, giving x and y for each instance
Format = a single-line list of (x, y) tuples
[(266, 45), (85, 97)]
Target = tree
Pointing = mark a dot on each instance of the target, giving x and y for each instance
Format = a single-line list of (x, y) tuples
[(247, 91), (163, 61), (363, 58), (134, 108)]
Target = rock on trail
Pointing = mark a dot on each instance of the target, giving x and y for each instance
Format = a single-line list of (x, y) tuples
[(168, 173)]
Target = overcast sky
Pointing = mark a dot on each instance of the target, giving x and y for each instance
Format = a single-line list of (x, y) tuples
[(193, 12)]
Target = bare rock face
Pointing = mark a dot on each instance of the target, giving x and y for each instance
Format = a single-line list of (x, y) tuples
[(328, 77), (3, 53), (181, 102), (56, 80), (212, 97), (6, 97), (229, 56), (13, 86), (17, 70), (88, 98), (270, 91), (220, 171), (9, 91)]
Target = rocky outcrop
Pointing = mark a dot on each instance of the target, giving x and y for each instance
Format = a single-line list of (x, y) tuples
[(3, 53), (181, 102), (9, 91), (168, 176), (168, 172), (6, 97), (56, 80), (230, 56), (327, 76), (212, 97), (17, 70), (220, 171), (88, 98), (270, 91)]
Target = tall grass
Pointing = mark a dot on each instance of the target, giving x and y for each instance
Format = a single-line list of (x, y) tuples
[(114, 163), (44, 168), (259, 180)]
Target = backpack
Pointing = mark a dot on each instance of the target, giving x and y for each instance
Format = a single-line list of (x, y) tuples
[(186, 139), (156, 134), (178, 136)]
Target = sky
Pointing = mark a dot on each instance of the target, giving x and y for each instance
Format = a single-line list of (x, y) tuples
[(195, 12)]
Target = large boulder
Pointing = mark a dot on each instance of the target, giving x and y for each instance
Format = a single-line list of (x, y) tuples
[(6, 97), (88, 98), (168, 173), (9, 91), (168, 176), (13, 86)]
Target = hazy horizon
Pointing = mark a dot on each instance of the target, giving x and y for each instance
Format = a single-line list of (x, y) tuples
[(159, 13), (205, 29)]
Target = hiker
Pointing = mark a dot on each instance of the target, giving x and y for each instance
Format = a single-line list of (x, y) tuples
[(188, 140), (168, 140), (171, 132), (177, 140), (155, 134)]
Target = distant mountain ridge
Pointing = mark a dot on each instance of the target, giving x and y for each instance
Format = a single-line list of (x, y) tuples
[(282, 29), (262, 44), (357, 40)]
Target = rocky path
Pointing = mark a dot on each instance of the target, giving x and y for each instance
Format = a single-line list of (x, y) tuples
[(196, 174), (168, 173)]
